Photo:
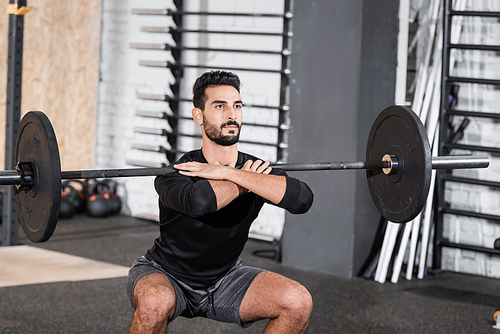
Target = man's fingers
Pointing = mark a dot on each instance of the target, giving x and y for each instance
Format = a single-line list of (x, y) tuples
[(188, 166), (257, 166), (262, 168), (247, 165)]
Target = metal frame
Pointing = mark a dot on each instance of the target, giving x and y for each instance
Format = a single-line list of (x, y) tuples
[(446, 143), (284, 115), (165, 115), (168, 47), (169, 12), (171, 30), (10, 223), (168, 98), (178, 68), (167, 64)]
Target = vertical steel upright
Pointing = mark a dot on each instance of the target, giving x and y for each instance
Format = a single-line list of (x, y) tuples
[(10, 225), (284, 112), (178, 73), (448, 136), (443, 134)]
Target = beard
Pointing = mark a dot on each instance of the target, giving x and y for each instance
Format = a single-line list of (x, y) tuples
[(214, 133)]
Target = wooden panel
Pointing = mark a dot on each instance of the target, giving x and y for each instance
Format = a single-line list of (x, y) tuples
[(60, 72)]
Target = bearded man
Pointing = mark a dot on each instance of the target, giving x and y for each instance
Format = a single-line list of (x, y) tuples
[(206, 209)]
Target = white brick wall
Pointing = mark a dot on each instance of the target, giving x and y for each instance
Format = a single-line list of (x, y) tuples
[(122, 78)]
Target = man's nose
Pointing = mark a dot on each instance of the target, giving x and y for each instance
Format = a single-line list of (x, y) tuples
[(231, 113)]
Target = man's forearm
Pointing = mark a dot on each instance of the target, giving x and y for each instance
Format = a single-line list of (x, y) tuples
[(270, 187), (228, 182)]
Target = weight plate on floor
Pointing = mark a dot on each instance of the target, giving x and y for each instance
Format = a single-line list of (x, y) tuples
[(38, 208), (399, 131)]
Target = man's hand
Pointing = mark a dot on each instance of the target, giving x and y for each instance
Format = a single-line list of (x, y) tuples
[(257, 167), (204, 170)]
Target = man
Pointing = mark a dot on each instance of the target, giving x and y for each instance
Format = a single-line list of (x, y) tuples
[(206, 209)]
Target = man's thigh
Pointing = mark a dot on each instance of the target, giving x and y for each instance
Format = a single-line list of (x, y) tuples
[(222, 301)]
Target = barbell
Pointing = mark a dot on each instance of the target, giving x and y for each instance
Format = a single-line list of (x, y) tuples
[(398, 165)]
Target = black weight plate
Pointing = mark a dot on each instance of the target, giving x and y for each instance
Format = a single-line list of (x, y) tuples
[(399, 197), (38, 208)]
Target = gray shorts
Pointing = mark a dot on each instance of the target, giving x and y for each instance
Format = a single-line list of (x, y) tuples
[(219, 302)]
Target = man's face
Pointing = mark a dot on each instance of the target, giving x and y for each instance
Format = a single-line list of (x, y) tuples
[(222, 115)]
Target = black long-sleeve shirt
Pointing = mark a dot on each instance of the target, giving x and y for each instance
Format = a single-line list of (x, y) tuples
[(199, 244)]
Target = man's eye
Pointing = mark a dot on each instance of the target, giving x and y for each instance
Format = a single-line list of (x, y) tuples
[(238, 106)]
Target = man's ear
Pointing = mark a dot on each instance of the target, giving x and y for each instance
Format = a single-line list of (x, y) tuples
[(197, 115)]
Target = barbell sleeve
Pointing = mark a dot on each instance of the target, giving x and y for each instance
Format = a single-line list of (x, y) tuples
[(460, 162), (8, 177)]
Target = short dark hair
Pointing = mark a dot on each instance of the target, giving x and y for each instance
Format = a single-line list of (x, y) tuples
[(211, 79)]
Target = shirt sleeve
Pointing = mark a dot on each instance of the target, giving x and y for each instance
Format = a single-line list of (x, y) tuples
[(191, 196), (298, 196)]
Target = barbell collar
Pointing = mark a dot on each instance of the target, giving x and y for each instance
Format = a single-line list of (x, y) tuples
[(28, 175), (393, 161)]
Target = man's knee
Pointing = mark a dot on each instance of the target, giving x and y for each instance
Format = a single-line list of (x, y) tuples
[(298, 301), (154, 301)]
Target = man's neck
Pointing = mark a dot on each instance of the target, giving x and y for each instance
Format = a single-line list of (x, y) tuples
[(223, 155)]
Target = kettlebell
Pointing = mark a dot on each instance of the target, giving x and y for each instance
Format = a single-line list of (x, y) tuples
[(80, 199), (114, 200), (98, 204), (67, 208)]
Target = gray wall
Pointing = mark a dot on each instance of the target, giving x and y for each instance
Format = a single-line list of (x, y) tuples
[(343, 75)]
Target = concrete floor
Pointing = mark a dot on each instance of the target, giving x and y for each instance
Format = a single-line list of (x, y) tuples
[(448, 303)]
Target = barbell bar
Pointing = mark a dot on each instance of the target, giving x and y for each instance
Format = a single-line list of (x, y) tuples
[(16, 177), (398, 169)]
